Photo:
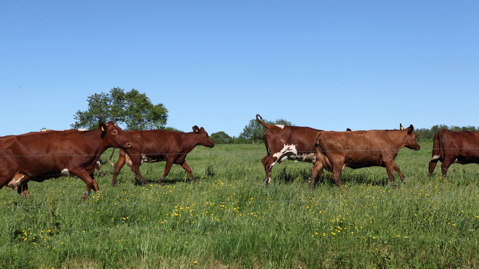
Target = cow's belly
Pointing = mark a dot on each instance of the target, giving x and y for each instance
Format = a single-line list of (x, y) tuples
[(467, 159), (363, 162)]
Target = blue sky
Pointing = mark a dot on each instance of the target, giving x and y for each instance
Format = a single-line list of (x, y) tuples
[(324, 64)]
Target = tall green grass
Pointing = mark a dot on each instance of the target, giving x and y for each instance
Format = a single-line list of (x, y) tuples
[(229, 218)]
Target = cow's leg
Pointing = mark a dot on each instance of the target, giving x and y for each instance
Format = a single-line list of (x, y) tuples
[(83, 175), (396, 168), (188, 171), (98, 168), (136, 169), (22, 189), (389, 169), (119, 164), (268, 163), (169, 163), (337, 169), (315, 172), (445, 165), (93, 181), (134, 162), (432, 166)]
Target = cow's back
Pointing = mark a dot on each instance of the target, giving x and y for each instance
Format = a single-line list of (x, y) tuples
[(301, 137)]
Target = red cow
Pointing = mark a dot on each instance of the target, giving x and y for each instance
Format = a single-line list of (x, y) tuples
[(454, 147), (160, 145), (356, 149), (43, 155), (287, 142)]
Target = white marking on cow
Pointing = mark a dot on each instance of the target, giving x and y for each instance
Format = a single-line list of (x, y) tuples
[(280, 126), (307, 157), (146, 159), (15, 182), (128, 160), (65, 172), (82, 130), (284, 153), (436, 157)]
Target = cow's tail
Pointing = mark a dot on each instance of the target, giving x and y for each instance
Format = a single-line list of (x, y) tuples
[(111, 156), (265, 125), (436, 152)]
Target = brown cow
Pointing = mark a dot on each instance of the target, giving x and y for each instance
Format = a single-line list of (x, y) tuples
[(39, 156), (356, 149), (454, 147), (160, 145), (287, 142)]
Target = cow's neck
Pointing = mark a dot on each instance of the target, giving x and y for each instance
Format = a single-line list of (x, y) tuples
[(96, 143), (189, 142), (397, 138)]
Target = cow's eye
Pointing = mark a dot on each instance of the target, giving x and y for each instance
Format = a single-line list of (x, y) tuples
[(115, 132)]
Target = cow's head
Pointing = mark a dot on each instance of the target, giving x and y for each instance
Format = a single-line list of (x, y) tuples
[(410, 138), (112, 136), (204, 138)]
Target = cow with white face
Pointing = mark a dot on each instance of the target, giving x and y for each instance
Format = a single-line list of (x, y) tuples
[(287, 143)]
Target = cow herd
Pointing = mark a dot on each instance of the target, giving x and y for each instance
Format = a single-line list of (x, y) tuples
[(42, 155)]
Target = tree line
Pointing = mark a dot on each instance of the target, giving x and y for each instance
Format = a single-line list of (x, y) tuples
[(133, 110)]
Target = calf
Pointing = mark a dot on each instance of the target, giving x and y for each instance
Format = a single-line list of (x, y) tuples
[(286, 142), (356, 149), (454, 147), (160, 145), (39, 156)]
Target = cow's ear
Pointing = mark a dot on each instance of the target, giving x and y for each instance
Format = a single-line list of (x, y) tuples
[(103, 128), (196, 129), (400, 127), (410, 129)]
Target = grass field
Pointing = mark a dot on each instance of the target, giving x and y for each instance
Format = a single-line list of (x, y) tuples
[(230, 219)]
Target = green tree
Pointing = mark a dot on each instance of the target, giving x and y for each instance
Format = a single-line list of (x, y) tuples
[(132, 110), (221, 138)]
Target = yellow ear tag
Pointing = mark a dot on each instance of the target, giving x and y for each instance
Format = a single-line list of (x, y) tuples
[(402, 128), (102, 129)]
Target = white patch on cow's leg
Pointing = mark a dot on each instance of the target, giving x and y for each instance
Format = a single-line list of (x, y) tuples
[(128, 160), (280, 126), (344, 165), (435, 157), (16, 180), (65, 172)]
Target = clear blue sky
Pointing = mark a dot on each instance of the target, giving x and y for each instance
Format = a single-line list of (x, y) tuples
[(325, 64)]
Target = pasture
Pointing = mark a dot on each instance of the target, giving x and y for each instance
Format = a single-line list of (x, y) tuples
[(230, 219)]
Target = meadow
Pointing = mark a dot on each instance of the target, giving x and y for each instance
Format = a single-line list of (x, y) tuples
[(230, 219)]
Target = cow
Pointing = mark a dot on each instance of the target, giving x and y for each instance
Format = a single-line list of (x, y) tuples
[(160, 145), (454, 147), (286, 142), (42, 155), (357, 149)]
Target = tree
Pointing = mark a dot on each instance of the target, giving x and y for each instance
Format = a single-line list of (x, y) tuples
[(253, 132), (221, 138), (131, 110)]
